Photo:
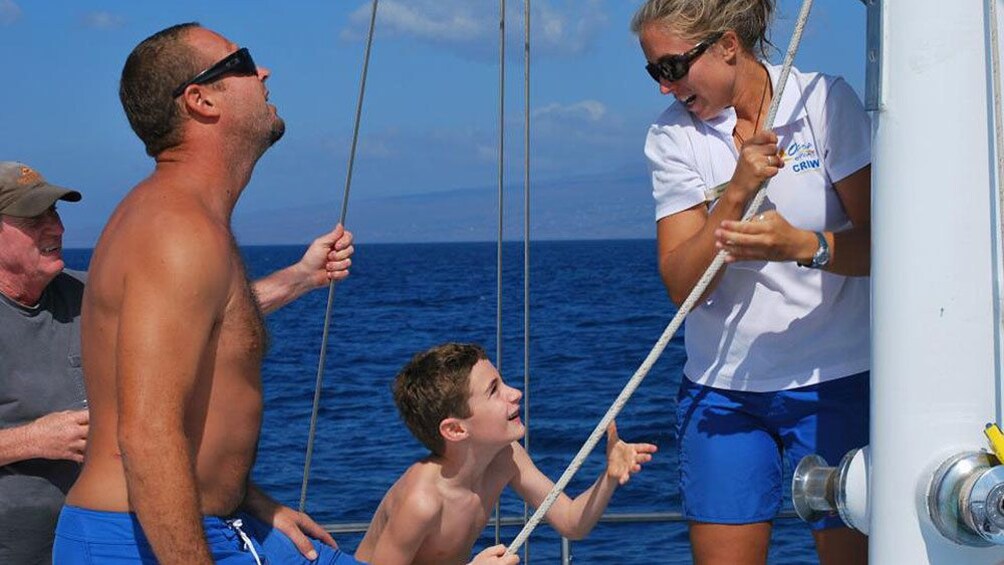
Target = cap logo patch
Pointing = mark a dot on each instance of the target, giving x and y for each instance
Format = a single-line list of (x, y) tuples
[(28, 176)]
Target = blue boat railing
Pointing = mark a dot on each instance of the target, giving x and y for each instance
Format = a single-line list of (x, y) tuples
[(566, 544)]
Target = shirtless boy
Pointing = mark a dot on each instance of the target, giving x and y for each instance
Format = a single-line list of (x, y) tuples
[(454, 401), (172, 334)]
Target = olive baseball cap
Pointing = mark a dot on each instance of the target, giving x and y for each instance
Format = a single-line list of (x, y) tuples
[(25, 194)]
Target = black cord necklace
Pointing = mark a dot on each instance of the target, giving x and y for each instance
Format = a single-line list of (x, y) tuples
[(756, 124)]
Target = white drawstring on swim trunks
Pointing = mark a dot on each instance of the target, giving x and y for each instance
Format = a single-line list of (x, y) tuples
[(236, 525)]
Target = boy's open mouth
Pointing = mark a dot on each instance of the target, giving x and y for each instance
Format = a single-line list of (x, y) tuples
[(514, 415)]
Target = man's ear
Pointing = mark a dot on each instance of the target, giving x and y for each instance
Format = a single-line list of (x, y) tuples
[(453, 429), (200, 102)]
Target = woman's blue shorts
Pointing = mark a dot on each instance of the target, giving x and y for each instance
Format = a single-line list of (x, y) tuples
[(732, 443)]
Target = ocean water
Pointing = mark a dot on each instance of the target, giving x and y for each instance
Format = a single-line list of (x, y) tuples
[(596, 309)]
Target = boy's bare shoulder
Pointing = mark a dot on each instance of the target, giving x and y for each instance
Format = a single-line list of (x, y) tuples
[(417, 493)]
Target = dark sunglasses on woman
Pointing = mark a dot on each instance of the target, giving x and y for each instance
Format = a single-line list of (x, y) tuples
[(671, 68)]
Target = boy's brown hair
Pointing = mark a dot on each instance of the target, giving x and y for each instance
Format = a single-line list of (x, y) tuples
[(433, 386)]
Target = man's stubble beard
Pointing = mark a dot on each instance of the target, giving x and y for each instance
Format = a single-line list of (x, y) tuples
[(277, 131), (272, 127), (263, 131)]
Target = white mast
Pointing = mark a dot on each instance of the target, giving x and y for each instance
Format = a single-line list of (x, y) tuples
[(933, 270)]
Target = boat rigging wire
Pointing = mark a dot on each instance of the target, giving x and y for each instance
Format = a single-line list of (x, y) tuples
[(526, 246), (331, 284), (677, 320), (526, 231), (501, 216), (996, 109)]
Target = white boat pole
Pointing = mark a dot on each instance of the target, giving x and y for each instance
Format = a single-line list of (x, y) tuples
[(933, 271)]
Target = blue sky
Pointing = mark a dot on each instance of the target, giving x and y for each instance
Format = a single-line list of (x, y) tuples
[(430, 124)]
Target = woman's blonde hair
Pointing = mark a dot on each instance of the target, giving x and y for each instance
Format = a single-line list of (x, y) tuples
[(697, 19)]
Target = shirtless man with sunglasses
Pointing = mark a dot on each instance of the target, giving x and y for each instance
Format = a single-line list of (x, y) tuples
[(172, 332)]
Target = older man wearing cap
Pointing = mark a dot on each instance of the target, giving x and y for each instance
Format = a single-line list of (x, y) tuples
[(43, 415), (42, 424)]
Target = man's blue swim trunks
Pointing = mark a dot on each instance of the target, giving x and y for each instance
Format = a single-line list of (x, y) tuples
[(91, 537)]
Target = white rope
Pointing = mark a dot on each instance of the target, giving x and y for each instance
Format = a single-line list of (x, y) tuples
[(674, 325)]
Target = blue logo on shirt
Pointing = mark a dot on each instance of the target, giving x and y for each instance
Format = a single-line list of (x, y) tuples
[(802, 155)]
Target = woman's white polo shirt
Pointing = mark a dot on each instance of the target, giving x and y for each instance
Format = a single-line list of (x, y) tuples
[(772, 325)]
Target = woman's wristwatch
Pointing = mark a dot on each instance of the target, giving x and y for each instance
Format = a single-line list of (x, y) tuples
[(822, 255)]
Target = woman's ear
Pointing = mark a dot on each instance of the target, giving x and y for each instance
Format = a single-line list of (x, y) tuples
[(729, 46)]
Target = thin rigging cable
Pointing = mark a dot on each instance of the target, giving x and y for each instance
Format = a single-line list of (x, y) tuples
[(995, 60), (526, 246), (331, 285), (498, 270)]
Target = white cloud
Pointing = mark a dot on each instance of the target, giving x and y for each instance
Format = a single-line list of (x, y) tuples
[(557, 26), (586, 134), (488, 153), (442, 20), (568, 29), (10, 12), (590, 110), (103, 20), (375, 148)]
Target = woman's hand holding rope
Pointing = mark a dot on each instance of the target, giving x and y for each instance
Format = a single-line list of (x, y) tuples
[(758, 161), (766, 237)]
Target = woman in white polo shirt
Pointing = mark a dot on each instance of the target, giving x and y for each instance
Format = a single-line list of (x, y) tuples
[(778, 348)]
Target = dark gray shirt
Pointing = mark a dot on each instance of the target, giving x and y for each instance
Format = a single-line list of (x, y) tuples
[(40, 373)]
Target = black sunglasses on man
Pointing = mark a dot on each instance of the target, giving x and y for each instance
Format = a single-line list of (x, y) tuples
[(672, 68), (239, 63)]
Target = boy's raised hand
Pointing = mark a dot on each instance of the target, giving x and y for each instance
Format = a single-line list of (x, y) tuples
[(625, 459)]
